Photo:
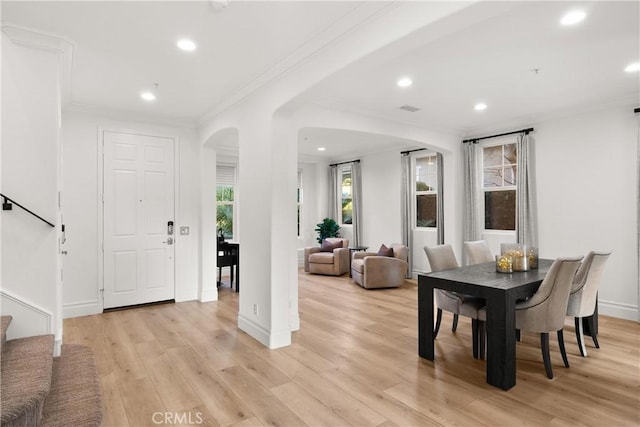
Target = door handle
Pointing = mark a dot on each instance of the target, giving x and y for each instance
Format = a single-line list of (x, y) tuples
[(169, 241)]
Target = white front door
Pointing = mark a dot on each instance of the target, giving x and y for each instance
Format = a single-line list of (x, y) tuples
[(138, 206)]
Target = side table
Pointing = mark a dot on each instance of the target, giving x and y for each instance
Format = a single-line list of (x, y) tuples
[(353, 249)]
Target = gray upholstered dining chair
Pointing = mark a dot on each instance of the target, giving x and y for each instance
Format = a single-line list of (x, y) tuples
[(440, 258), (545, 311), (477, 252), (583, 295)]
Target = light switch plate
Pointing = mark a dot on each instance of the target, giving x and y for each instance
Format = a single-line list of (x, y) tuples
[(184, 231)]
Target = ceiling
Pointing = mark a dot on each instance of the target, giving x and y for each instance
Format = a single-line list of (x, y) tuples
[(123, 48), (521, 63), (513, 56)]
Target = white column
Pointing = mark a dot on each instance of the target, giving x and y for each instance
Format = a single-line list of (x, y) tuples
[(267, 206), (208, 285)]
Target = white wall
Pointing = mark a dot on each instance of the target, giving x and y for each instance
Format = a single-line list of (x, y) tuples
[(381, 177), (587, 194), (30, 161), (81, 206), (314, 203), (586, 191)]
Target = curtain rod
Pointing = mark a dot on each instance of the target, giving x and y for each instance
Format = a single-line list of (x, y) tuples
[(344, 163), (636, 110), (474, 140), (411, 151)]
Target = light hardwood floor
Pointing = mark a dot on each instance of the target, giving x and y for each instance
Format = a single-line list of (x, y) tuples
[(354, 362)]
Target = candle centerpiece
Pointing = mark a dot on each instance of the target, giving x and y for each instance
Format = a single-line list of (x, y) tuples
[(523, 257)]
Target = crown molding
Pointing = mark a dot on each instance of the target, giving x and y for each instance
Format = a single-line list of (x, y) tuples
[(36, 39), (627, 101)]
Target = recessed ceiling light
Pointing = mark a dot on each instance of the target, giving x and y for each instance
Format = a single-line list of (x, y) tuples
[(148, 96), (186, 44), (405, 82), (480, 106), (321, 149), (631, 68), (573, 17)]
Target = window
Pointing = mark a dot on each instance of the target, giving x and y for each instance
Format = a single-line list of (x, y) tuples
[(225, 198), (346, 197), (499, 171), (299, 198), (426, 191)]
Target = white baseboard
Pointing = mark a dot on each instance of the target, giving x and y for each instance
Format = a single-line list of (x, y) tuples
[(81, 308), (295, 322), (209, 295), (267, 338), (619, 310)]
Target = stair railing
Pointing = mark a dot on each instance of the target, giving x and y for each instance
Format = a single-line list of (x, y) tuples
[(8, 203)]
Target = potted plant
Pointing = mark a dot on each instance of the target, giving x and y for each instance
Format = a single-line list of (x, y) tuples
[(327, 228)]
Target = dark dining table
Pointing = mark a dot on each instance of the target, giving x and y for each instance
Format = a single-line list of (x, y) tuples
[(500, 291)]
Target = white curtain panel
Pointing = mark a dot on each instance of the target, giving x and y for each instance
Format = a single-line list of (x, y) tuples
[(526, 204), (334, 193), (356, 194), (406, 191), (472, 225)]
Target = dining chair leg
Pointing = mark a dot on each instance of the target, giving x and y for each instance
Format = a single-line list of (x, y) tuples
[(475, 337), (544, 344), (563, 352), (454, 327), (219, 276), (580, 337), (438, 320), (482, 338), (592, 328)]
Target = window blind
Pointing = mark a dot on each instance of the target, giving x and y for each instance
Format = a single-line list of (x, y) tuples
[(225, 175)]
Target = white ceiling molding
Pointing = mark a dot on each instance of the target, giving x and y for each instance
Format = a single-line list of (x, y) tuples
[(129, 116), (337, 104), (36, 39), (333, 33)]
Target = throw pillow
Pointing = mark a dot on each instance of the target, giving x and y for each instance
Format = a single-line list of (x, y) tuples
[(385, 251), (329, 247)]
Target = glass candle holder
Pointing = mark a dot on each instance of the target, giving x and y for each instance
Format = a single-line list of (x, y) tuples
[(520, 255), (533, 257), (504, 264), (520, 261)]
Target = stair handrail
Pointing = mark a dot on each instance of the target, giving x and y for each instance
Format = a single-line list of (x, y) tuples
[(11, 201)]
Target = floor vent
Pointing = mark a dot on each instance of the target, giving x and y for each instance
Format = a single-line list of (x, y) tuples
[(409, 108)]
